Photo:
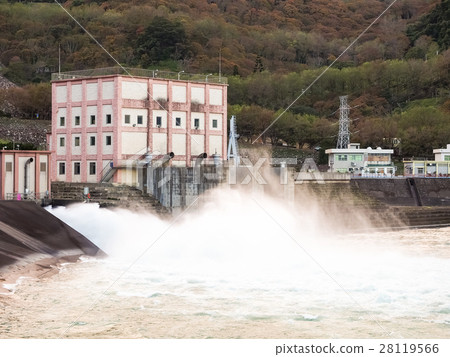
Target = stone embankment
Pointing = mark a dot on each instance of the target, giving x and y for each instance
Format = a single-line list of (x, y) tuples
[(380, 203), (106, 195)]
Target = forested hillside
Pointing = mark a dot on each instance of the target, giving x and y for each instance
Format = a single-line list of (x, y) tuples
[(286, 35), (396, 75)]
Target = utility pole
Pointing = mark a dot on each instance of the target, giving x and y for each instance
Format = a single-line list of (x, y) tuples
[(344, 133)]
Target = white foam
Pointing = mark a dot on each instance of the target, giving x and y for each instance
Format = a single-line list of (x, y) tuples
[(264, 255)]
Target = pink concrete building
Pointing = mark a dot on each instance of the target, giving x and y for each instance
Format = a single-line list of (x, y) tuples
[(106, 118), (24, 174)]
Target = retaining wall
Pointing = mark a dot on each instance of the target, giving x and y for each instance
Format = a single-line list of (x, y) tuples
[(397, 191)]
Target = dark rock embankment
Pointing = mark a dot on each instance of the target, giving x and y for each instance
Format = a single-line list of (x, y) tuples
[(28, 233)]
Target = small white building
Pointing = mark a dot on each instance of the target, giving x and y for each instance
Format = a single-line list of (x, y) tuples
[(442, 154), (439, 167), (24, 174), (361, 162)]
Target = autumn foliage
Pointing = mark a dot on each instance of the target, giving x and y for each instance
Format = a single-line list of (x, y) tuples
[(396, 75)]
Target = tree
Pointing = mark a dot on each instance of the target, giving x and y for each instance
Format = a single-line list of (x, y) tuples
[(259, 67), (423, 129), (32, 100), (162, 40), (435, 24), (253, 120)]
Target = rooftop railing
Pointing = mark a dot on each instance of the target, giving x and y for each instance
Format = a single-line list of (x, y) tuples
[(409, 159), (139, 72)]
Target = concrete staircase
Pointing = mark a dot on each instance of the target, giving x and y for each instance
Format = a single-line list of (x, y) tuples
[(107, 195), (356, 208), (424, 216)]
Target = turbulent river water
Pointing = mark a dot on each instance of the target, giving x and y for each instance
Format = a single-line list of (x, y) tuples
[(238, 268)]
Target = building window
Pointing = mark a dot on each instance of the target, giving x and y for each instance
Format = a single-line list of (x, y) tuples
[(342, 157), (140, 119), (108, 140), (158, 121), (127, 119), (62, 142), (196, 123), (92, 119), (77, 141), (214, 123), (62, 168), (9, 167), (92, 168), (356, 157), (43, 167), (77, 120), (92, 140), (177, 121), (62, 121), (76, 168), (420, 170), (108, 118)]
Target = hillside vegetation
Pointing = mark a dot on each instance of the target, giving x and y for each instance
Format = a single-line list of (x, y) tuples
[(396, 75)]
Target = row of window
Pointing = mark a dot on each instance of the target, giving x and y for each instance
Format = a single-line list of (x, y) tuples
[(92, 141), (139, 119), (77, 120), (127, 120), (356, 157), (215, 122), (77, 168)]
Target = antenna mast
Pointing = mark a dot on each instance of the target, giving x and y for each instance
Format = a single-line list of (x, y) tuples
[(344, 133), (59, 60), (233, 148), (220, 64)]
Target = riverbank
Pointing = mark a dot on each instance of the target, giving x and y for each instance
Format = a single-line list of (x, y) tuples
[(35, 268)]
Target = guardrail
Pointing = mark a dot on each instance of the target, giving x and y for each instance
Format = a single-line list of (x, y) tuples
[(139, 72)]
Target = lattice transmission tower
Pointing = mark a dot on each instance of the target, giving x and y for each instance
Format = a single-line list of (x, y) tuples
[(344, 133)]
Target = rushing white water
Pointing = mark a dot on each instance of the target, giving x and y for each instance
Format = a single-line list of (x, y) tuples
[(256, 259)]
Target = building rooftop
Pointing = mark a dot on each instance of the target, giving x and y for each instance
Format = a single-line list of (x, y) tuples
[(139, 72), (446, 150), (352, 149)]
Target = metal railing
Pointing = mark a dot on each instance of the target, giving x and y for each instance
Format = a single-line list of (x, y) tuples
[(140, 72), (410, 159), (30, 196)]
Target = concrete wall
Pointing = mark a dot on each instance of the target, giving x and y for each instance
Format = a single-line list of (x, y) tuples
[(396, 191), (434, 191), (134, 90), (180, 186)]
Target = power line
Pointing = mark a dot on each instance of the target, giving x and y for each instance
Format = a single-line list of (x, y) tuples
[(324, 71)]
